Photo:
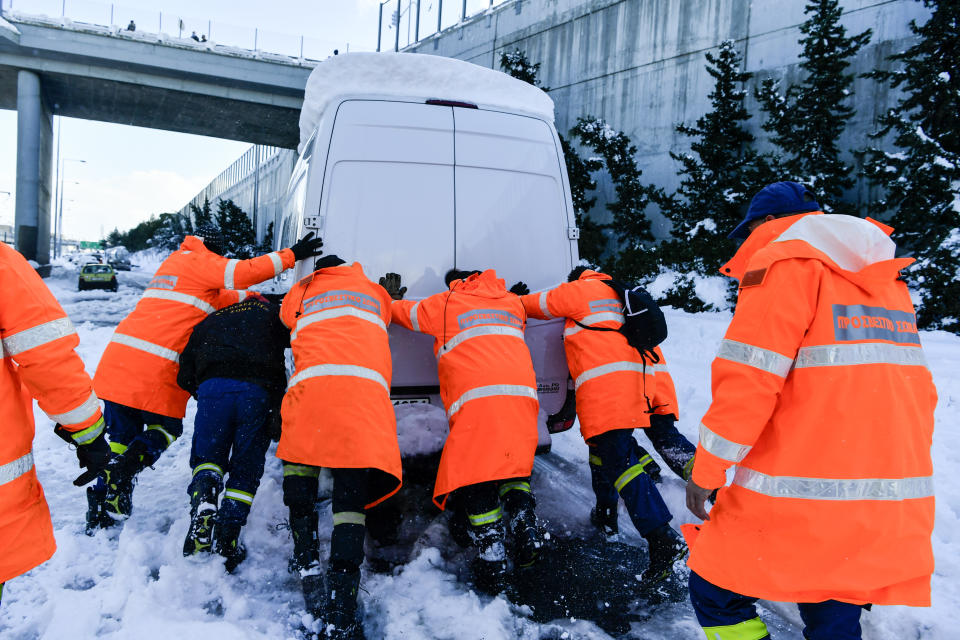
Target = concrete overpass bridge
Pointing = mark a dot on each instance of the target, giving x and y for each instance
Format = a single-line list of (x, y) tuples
[(52, 67)]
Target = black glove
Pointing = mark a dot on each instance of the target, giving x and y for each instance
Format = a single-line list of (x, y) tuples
[(331, 260), (391, 282), (307, 247), (92, 456), (520, 289), (274, 298)]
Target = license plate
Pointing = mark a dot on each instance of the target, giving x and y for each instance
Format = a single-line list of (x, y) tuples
[(399, 401)]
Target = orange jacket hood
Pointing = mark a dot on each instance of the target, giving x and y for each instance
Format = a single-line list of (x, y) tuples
[(590, 274), (485, 284), (859, 250)]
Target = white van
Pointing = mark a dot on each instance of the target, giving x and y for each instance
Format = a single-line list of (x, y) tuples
[(417, 164)]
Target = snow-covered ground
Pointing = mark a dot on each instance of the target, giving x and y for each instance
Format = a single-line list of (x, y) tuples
[(135, 583)]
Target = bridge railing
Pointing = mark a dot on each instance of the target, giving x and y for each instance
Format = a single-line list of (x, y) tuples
[(406, 22), (150, 24)]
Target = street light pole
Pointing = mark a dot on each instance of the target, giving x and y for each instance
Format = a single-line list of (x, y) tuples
[(59, 225)]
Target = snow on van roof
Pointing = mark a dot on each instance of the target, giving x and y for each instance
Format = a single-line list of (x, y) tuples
[(414, 75)]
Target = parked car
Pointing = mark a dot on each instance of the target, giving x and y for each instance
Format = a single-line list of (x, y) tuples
[(462, 168), (118, 258), (97, 276)]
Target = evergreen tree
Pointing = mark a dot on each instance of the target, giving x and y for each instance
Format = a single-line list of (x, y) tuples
[(806, 121), (173, 228), (718, 177), (267, 245), (921, 182), (202, 216), (517, 65), (236, 229), (632, 227), (113, 239)]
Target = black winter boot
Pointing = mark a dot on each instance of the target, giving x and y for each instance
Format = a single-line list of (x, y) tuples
[(96, 516), (524, 526), (120, 477), (604, 518), (227, 544), (203, 513), (306, 561), (340, 617), (490, 565), (666, 546)]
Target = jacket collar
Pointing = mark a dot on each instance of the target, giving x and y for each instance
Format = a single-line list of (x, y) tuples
[(859, 249), (193, 243), (590, 274)]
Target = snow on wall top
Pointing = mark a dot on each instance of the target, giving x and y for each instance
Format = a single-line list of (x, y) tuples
[(418, 76)]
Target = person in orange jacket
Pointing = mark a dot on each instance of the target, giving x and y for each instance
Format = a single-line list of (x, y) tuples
[(489, 389), (673, 447), (337, 414), (615, 392), (39, 361), (823, 401), (137, 375)]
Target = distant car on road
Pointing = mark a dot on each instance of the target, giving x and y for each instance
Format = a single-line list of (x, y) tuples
[(97, 276)]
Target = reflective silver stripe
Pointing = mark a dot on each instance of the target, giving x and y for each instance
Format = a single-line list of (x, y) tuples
[(277, 263), (143, 345), (13, 470), (610, 367), (349, 517), (721, 447), (594, 318), (476, 332), (85, 411), (490, 391), (91, 433), (228, 273), (339, 312), (39, 335), (835, 355), (658, 368), (834, 489), (239, 496), (543, 305), (176, 296), (352, 370), (413, 317), (756, 357)]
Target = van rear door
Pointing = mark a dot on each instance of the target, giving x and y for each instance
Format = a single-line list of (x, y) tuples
[(511, 215), (387, 201)]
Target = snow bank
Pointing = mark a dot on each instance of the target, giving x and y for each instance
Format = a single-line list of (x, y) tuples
[(414, 76)]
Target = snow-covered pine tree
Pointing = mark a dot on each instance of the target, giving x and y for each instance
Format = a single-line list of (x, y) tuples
[(203, 215), (236, 229), (634, 260), (592, 241), (174, 227), (806, 121), (921, 181), (718, 177)]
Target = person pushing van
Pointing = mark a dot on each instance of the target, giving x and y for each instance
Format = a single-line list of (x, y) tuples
[(489, 390), (137, 375), (337, 414)]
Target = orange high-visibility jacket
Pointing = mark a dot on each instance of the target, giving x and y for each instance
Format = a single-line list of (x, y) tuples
[(487, 381), (823, 400), (39, 362), (337, 411), (139, 367), (608, 374)]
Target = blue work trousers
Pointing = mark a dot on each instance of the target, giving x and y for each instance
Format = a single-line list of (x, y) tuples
[(724, 614), (621, 474), (126, 425), (230, 437)]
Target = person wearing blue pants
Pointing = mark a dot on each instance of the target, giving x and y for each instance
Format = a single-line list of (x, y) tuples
[(137, 438), (234, 366), (726, 614)]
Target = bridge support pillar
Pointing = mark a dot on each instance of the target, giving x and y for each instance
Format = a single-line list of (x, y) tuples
[(34, 169)]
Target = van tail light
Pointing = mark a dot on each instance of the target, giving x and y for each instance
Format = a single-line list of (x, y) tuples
[(451, 103)]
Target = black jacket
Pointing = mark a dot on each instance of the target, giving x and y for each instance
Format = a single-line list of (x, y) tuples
[(244, 341)]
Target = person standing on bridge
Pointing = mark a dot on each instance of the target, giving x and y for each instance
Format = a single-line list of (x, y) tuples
[(37, 343), (823, 400), (137, 375)]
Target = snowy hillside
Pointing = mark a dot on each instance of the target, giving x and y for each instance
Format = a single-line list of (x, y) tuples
[(135, 584)]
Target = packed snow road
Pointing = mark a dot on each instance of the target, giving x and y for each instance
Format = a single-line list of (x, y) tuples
[(134, 583)]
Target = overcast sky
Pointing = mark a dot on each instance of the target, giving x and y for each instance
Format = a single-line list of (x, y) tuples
[(130, 173)]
